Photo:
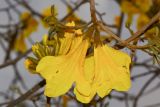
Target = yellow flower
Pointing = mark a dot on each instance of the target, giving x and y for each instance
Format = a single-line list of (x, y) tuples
[(111, 70), (142, 20), (143, 5), (20, 44), (30, 25), (135, 7), (62, 71), (91, 75), (129, 11), (46, 12), (128, 7), (107, 70)]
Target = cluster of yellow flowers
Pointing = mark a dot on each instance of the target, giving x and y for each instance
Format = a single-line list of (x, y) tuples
[(79, 59)]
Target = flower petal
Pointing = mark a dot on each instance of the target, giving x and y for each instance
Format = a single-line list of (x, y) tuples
[(112, 65), (85, 92), (104, 89), (85, 99), (65, 44), (59, 84), (60, 72)]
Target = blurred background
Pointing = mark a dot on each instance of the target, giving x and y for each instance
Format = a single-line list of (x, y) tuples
[(17, 36)]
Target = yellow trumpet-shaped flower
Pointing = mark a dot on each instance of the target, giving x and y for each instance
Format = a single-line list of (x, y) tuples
[(62, 71), (107, 70), (62, 62), (111, 70)]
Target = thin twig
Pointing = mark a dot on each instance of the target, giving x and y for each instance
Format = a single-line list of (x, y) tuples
[(135, 103), (27, 94), (14, 61), (144, 29)]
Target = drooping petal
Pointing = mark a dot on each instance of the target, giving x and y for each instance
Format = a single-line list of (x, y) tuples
[(85, 99), (90, 89), (104, 88), (60, 72), (82, 85), (89, 69), (112, 66), (59, 84)]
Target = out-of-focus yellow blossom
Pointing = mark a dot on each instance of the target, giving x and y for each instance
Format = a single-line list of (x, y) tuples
[(143, 5), (20, 45), (135, 7), (142, 20), (128, 7), (29, 26), (46, 12)]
